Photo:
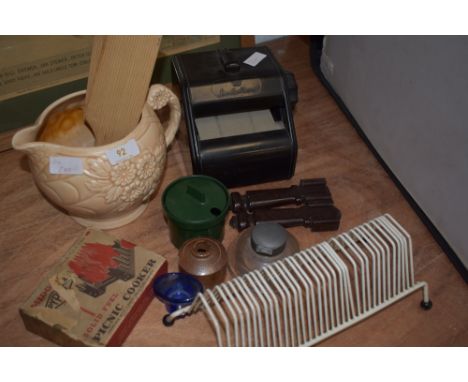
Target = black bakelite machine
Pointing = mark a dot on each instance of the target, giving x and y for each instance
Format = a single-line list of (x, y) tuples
[(239, 120)]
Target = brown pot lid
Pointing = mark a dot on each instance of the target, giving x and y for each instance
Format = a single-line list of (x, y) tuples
[(202, 256)]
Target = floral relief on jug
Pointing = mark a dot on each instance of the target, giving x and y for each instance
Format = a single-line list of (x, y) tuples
[(105, 195)]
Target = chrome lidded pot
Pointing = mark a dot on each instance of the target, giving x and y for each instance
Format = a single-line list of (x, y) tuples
[(259, 246)]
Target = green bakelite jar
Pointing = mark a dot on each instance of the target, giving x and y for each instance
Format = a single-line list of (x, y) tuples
[(195, 206)]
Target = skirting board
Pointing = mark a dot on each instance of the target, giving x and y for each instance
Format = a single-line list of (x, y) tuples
[(316, 45)]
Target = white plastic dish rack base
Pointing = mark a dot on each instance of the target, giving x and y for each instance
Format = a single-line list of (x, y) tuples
[(315, 293)]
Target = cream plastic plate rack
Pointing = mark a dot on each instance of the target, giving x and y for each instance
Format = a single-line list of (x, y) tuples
[(315, 293)]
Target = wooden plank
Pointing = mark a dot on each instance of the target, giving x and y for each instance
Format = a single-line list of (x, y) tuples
[(118, 82), (5, 139)]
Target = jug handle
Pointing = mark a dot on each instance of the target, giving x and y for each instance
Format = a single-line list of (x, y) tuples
[(160, 96)]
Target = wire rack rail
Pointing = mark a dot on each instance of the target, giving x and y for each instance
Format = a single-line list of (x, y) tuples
[(315, 293)]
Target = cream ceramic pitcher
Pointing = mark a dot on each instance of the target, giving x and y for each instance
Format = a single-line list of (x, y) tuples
[(103, 186)]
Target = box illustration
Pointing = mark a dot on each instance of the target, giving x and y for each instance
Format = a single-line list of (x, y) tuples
[(96, 294)]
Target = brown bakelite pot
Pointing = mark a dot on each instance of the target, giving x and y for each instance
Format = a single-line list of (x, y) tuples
[(205, 259)]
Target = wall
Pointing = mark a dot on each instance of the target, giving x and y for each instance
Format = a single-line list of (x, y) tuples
[(409, 95)]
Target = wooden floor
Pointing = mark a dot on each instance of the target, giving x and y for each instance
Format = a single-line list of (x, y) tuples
[(33, 234)]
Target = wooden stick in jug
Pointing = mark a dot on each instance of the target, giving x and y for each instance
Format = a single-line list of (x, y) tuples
[(119, 78)]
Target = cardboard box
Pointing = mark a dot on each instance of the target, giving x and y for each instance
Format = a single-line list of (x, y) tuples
[(96, 294)]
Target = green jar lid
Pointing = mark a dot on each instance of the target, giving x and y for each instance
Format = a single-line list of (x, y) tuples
[(196, 202)]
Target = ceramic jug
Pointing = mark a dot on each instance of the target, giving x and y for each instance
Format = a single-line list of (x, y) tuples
[(103, 188)]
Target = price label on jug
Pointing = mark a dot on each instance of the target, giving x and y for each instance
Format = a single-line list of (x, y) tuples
[(123, 152), (65, 165)]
